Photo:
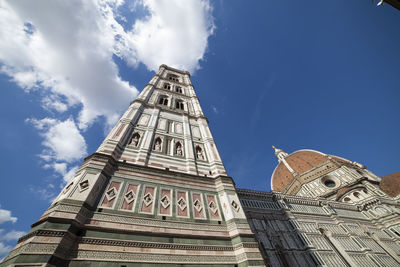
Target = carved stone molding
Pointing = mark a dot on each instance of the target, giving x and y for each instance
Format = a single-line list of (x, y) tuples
[(154, 258), (139, 244), (42, 233)]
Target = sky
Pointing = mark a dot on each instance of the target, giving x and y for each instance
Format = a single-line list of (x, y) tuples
[(322, 75)]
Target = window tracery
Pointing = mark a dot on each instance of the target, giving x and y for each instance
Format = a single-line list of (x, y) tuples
[(173, 77), (167, 86), (163, 100), (178, 89), (179, 104)]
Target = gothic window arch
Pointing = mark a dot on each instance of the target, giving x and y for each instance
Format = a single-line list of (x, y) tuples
[(157, 144), (173, 77), (199, 153), (135, 139), (178, 149), (178, 89), (167, 86), (179, 105), (163, 100), (355, 195)]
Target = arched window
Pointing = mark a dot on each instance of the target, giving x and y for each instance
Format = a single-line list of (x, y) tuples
[(173, 77), (179, 104), (178, 89), (135, 139), (157, 144), (356, 195), (365, 191), (199, 153), (163, 100), (347, 199), (178, 149), (167, 86)]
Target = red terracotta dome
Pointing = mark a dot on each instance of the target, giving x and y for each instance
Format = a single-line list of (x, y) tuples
[(390, 184), (300, 161)]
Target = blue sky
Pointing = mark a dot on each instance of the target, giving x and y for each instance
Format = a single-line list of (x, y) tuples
[(294, 74)]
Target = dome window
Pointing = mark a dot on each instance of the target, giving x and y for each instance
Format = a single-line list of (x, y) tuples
[(329, 183), (365, 191), (347, 199)]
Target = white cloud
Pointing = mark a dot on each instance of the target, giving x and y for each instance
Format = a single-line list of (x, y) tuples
[(44, 193), (4, 249), (175, 33), (215, 109), (62, 141), (53, 102), (12, 235), (5, 216), (62, 169), (67, 50)]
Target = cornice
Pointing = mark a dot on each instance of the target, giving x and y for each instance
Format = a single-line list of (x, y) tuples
[(173, 69), (276, 196), (118, 165), (179, 112)]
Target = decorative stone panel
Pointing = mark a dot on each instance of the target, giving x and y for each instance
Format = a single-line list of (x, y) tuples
[(213, 209), (198, 206), (110, 195), (182, 204), (196, 132), (144, 119), (148, 199), (130, 197), (119, 131), (165, 202)]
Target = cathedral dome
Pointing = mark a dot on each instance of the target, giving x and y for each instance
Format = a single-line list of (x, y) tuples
[(293, 164), (390, 184)]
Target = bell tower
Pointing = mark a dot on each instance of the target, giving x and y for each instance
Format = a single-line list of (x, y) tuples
[(154, 192), (166, 128)]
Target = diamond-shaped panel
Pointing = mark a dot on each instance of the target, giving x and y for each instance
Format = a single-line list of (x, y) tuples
[(197, 205), (83, 185), (165, 201), (213, 207), (111, 194), (182, 203), (148, 199), (235, 206), (130, 196), (68, 187)]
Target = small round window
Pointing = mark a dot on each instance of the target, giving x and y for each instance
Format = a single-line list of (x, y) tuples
[(329, 183)]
